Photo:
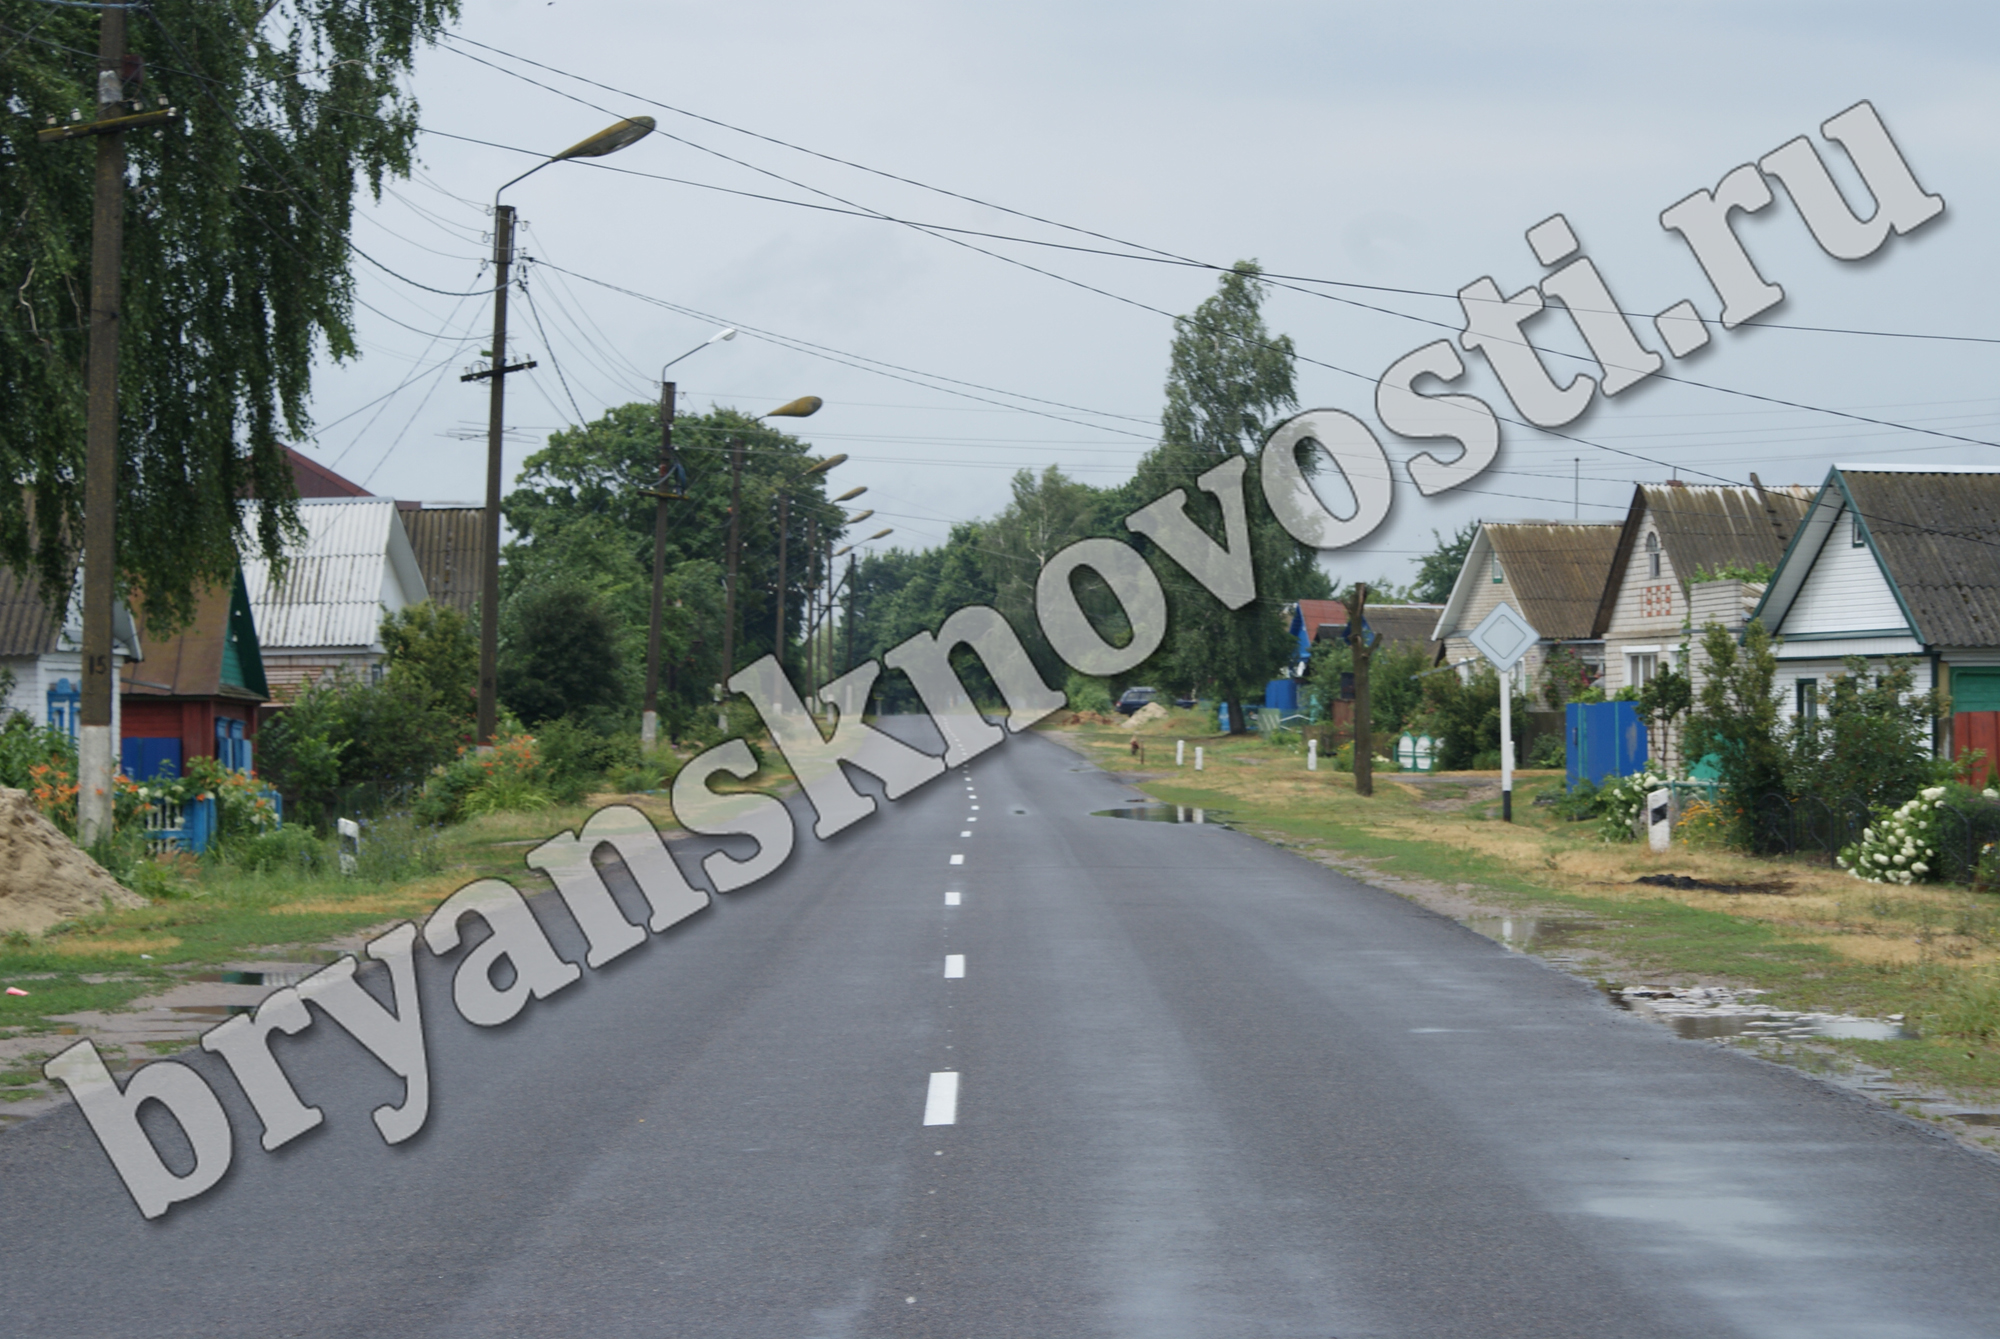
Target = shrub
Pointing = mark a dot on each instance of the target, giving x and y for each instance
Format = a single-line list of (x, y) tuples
[(1900, 844), (575, 759), (1549, 752), (1621, 803), (1871, 739), (1089, 694), (503, 779), (293, 849), (1463, 717), (1735, 718)]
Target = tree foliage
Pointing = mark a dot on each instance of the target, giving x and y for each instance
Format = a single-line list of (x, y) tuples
[(581, 520), (1228, 382), (1437, 571), (1871, 738), (236, 267)]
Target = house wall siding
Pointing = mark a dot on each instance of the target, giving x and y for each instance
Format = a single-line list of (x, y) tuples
[(1648, 610), (1844, 590)]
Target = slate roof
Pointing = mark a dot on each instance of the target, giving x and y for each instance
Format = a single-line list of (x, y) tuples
[(332, 593), (1556, 572), (1938, 534), (448, 544), (28, 627), (1399, 623), (1704, 527)]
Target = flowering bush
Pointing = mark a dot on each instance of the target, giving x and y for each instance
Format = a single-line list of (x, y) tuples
[(1898, 846), (1622, 802), (503, 779)]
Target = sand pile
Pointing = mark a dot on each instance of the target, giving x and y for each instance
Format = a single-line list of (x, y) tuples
[(1149, 713), (44, 878)]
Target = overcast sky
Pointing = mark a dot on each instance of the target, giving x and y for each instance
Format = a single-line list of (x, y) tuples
[(1337, 141)]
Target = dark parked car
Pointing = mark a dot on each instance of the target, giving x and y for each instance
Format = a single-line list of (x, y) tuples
[(1134, 698)]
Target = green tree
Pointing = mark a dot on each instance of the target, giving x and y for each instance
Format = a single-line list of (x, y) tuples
[(1735, 717), (433, 648), (1871, 738), (579, 512), (559, 652), (1437, 571), (1228, 381), (236, 268)]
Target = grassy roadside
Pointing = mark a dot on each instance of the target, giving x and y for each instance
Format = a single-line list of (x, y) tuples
[(1821, 941)]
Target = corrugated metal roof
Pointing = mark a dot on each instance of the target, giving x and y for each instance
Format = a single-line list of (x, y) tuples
[(1706, 527), (332, 591), (28, 627), (1939, 536), (1313, 615), (448, 542), (1556, 572)]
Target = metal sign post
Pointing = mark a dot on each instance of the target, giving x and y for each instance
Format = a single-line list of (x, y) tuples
[(1504, 637)]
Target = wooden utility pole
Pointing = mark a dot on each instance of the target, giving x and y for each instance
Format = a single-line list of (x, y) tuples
[(1364, 735), (778, 628), (649, 722), (97, 762)]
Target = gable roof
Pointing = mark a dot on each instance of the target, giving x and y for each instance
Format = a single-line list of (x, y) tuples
[(28, 627), (331, 595), (1395, 623), (1705, 527), (448, 542), (1308, 616), (1935, 531), (313, 479), (1555, 574), (217, 655)]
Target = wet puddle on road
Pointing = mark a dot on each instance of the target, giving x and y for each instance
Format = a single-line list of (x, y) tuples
[(1703, 1013), (1521, 934), (1167, 813)]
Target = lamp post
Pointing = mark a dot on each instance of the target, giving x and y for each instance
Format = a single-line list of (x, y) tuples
[(608, 140), (784, 533), (670, 486), (803, 407)]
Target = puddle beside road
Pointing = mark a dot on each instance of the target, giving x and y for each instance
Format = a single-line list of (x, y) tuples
[(1702, 1013), (1524, 933), (1167, 813)]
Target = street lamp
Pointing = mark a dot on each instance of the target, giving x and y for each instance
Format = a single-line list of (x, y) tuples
[(608, 140), (803, 407), (672, 485), (784, 533)]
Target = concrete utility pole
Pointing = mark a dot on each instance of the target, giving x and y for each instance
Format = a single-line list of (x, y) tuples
[(729, 585), (649, 723), (1364, 732), (778, 630), (97, 762)]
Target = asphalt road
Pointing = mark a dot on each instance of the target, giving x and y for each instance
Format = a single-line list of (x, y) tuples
[(1204, 1089)]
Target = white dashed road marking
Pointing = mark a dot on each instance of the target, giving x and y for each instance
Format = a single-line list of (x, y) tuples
[(954, 966), (951, 899), (941, 1104), (958, 860)]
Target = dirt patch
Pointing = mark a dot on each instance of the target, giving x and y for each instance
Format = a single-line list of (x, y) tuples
[(1686, 882), (44, 879)]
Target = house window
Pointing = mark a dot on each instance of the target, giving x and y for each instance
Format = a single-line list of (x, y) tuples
[(375, 673), (1496, 569), (1653, 557), (1808, 699), (1857, 536), (1640, 667)]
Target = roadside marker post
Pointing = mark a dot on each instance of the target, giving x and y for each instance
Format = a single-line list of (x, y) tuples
[(1504, 638)]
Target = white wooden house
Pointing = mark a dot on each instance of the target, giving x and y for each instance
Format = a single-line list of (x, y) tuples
[(43, 655), (355, 567), (1552, 573), (1895, 560), (1676, 536)]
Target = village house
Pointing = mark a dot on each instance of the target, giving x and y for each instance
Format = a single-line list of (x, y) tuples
[(1896, 560), (1552, 573), (1677, 536), (197, 694), (354, 568), (41, 655)]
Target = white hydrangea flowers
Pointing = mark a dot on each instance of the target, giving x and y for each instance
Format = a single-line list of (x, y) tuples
[(1897, 848)]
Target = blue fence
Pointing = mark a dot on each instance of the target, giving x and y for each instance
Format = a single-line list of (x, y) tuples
[(1603, 739)]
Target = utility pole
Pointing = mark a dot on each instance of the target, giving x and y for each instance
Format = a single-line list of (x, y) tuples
[(1364, 733), (96, 760), (778, 631), (729, 585), (850, 612), (496, 410), (649, 723)]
